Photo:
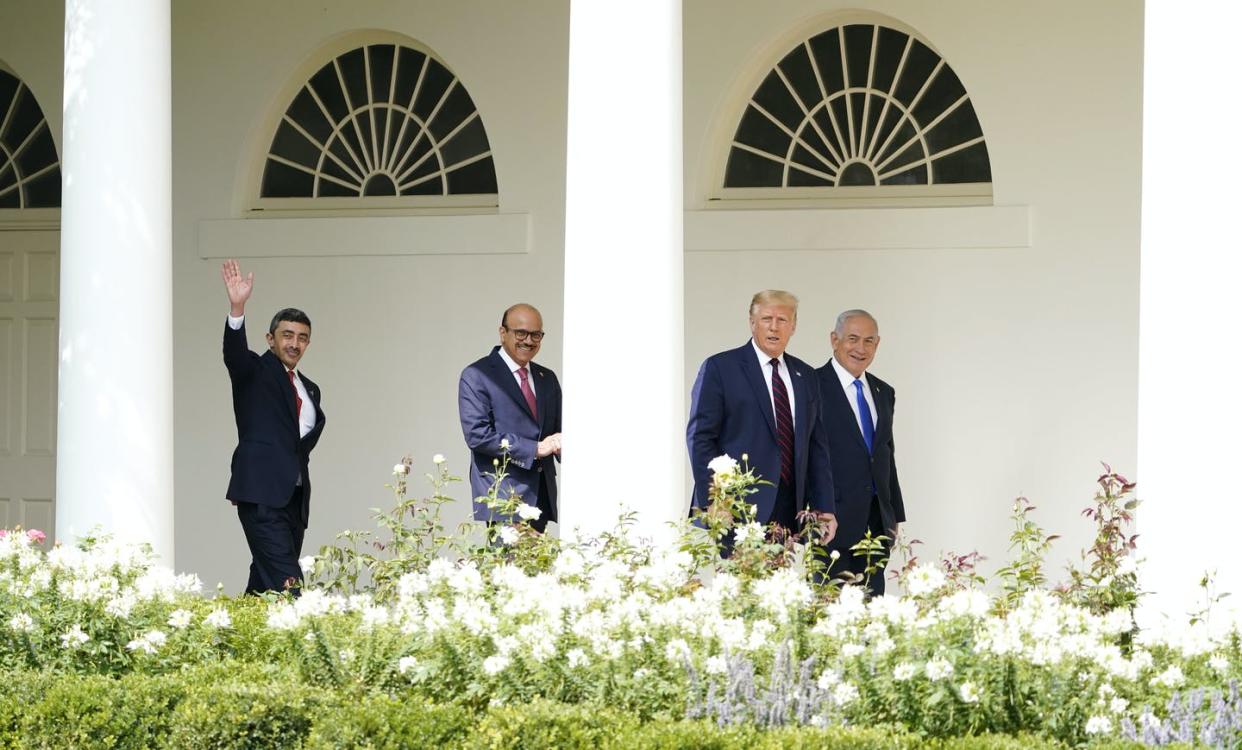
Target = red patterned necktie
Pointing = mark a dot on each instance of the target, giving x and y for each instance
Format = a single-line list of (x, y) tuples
[(527, 392), (784, 424), (297, 397)]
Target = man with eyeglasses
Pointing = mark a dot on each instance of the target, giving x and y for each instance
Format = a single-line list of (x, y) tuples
[(510, 406)]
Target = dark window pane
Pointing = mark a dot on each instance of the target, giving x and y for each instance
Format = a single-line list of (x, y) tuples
[(410, 154), (469, 141), (960, 126), (24, 119), (758, 131), (337, 147), (814, 142), (856, 173), (905, 132), (945, 89), (379, 184), (430, 165), (825, 124), (8, 87), (745, 169), (305, 112), (381, 70), (806, 158), (39, 153), (332, 168), (858, 53), (798, 178), (434, 85), (857, 104), (839, 111), (8, 175), (826, 48), (912, 153), (797, 68), (873, 107), (280, 181), (364, 129), (433, 186), (968, 165), (919, 66), (888, 50), (44, 190), (353, 70), (328, 87), (329, 189), (473, 179), (456, 108), (916, 175), (11, 199), (891, 119), (292, 145), (351, 133), (409, 64), (774, 97)]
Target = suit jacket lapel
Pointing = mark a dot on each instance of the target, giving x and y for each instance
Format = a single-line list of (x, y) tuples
[(883, 414), (283, 385), (751, 369), (802, 403), (843, 402), (500, 375), (541, 393)]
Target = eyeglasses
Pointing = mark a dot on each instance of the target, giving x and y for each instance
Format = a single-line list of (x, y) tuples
[(521, 333)]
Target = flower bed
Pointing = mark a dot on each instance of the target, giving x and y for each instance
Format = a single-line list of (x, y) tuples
[(598, 642)]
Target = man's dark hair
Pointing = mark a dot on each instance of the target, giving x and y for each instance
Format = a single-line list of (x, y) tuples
[(291, 314)]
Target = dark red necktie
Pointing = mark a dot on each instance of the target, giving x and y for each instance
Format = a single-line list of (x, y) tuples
[(297, 397), (527, 392), (784, 424)]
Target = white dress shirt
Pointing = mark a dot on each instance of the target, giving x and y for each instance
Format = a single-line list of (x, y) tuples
[(514, 367), (306, 418), (765, 366), (851, 394)]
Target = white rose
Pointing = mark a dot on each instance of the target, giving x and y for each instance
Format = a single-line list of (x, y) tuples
[(528, 512), (438, 459), (504, 444), (723, 466), (400, 469), (508, 534), (307, 564)]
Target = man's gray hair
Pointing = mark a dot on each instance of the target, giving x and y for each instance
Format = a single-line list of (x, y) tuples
[(854, 314)]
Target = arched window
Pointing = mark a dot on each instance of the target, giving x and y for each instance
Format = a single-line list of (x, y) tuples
[(384, 120), (859, 104), (29, 165)]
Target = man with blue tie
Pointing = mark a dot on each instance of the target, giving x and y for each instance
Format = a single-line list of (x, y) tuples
[(279, 421), (761, 402), (858, 414), (510, 406)]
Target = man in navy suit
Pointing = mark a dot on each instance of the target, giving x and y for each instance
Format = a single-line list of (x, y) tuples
[(511, 406), (279, 421), (759, 401), (858, 412)]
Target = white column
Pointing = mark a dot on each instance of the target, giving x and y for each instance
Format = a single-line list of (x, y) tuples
[(624, 414), (1190, 397), (115, 437)]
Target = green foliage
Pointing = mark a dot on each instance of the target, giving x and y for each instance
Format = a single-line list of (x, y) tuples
[(1108, 578), (380, 722), (1029, 545)]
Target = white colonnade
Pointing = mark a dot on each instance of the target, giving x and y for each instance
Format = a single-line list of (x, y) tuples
[(114, 464), (624, 413)]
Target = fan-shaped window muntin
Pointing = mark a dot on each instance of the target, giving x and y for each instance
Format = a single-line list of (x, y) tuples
[(29, 165), (857, 105), (380, 120)]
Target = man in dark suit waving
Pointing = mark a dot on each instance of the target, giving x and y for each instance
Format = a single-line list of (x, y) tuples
[(858, 413), (279, 421), (759, 401), (509, 405)]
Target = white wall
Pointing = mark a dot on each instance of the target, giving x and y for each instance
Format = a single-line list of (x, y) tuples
[(1015, 369)]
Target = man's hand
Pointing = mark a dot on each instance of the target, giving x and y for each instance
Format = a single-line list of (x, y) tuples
[(830, 521), (238, 287), (548, 446)]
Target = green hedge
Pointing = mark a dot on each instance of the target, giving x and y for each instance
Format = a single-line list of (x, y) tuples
[(245, 706)]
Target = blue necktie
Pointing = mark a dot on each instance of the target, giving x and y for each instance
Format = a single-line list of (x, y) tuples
[(864, 415)]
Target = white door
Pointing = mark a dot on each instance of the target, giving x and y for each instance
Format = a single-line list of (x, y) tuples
[(29, 288)]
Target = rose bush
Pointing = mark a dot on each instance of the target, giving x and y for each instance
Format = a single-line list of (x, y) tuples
[(504, 617)]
